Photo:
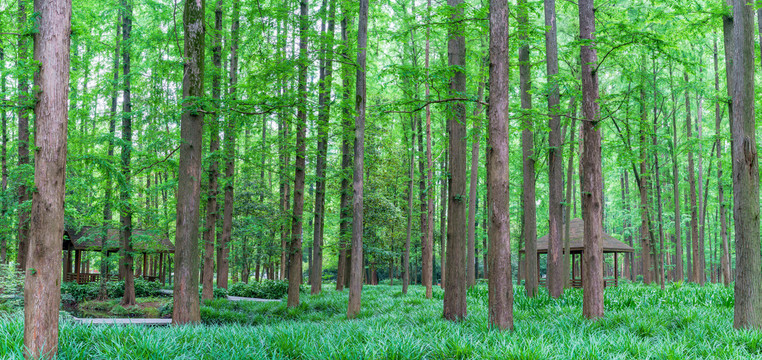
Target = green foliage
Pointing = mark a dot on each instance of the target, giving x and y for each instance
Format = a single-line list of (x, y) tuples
[(11, 286), (687, 322), (265, 289), (90, 291)]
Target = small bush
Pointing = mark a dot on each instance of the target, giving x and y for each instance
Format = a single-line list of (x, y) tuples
[(220, 293), (166, 309), (150, 312), (265, 289), (115, 289)]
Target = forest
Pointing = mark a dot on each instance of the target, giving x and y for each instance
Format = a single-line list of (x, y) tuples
[(389, 179)]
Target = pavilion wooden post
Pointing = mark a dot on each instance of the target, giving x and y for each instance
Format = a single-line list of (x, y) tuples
[(77, 264), (145, 263), (67, 265), (616, 269), (539, 277), (161, 268)]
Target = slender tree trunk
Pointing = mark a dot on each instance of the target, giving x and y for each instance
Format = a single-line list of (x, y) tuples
[(355, 278), (529, 219), (455, 288), (748, 291), (679, 273), (592, 206), (4, 211), (42, 287), (125, 212), (701, 201), (429, 158), (725, 257), (186, 306), (107, 215), (223, 240), (443, 219), (214, 146), (500, 300), (472, 195), (411, 173), (295, 248), (326, 77), (23, 147), (695, 277), (345, 223), (557, 274), (569, 196)]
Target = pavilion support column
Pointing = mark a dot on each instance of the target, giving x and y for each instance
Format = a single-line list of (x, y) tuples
[(145, 263), (616, 269), (77, 264), (67, 265), (161, 267), (539, 277)]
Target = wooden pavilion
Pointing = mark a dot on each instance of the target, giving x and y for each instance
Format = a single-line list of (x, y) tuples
[(577, 249), (155, 248)]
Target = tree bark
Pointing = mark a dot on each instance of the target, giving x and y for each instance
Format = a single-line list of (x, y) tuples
[(210, 228), (23, 147), (748, 286), (411, 173), (695, 277), (455, 288), (429, 157), (472, 194), (324, 111), (42, 286), (295, 245), (223, 247), (443, 220), (645, 244), (556, 271), (345, 223), (678, 270), (355, 276), (500, 301), (592, 210), (4, 156), (725, 257), (125, 212), (529, 212), (186, 306)]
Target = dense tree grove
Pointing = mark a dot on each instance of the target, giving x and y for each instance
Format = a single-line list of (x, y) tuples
[(265, 143)]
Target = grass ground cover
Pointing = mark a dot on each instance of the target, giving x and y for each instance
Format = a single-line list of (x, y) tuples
[(680, 322)]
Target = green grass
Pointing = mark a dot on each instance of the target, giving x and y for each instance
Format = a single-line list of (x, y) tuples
[(681, 322)]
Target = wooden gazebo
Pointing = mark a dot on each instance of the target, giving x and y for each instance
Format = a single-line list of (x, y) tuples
[(156, 250), (577, 249)]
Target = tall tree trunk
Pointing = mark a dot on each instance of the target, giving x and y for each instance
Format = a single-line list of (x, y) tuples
[(500, 300), (4, 155), (646, 246), (23, 147), (592, 206), (223, 241), (107, 215), (557, 274), (186, 306), (443, 220), (125, 213), (455, 288), (725, 257), (42, 286), (295, 248), (472, 195), (345, 222), (679, 273), (695, 277), (355, 275), (284, 129), (429, 157), (324, 111), (748, 291), (529, 219), (702, 201), (411, 173), (210, 228)]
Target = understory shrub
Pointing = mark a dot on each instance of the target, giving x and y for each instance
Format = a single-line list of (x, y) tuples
[(115, 289), (11, 287), (265, 289)]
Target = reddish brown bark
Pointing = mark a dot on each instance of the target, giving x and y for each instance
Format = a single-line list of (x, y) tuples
[(500, 300), (355, 275), (592, 194), (186, 300), (23, 147), (125, 213), (455, 288), (42, 287)]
